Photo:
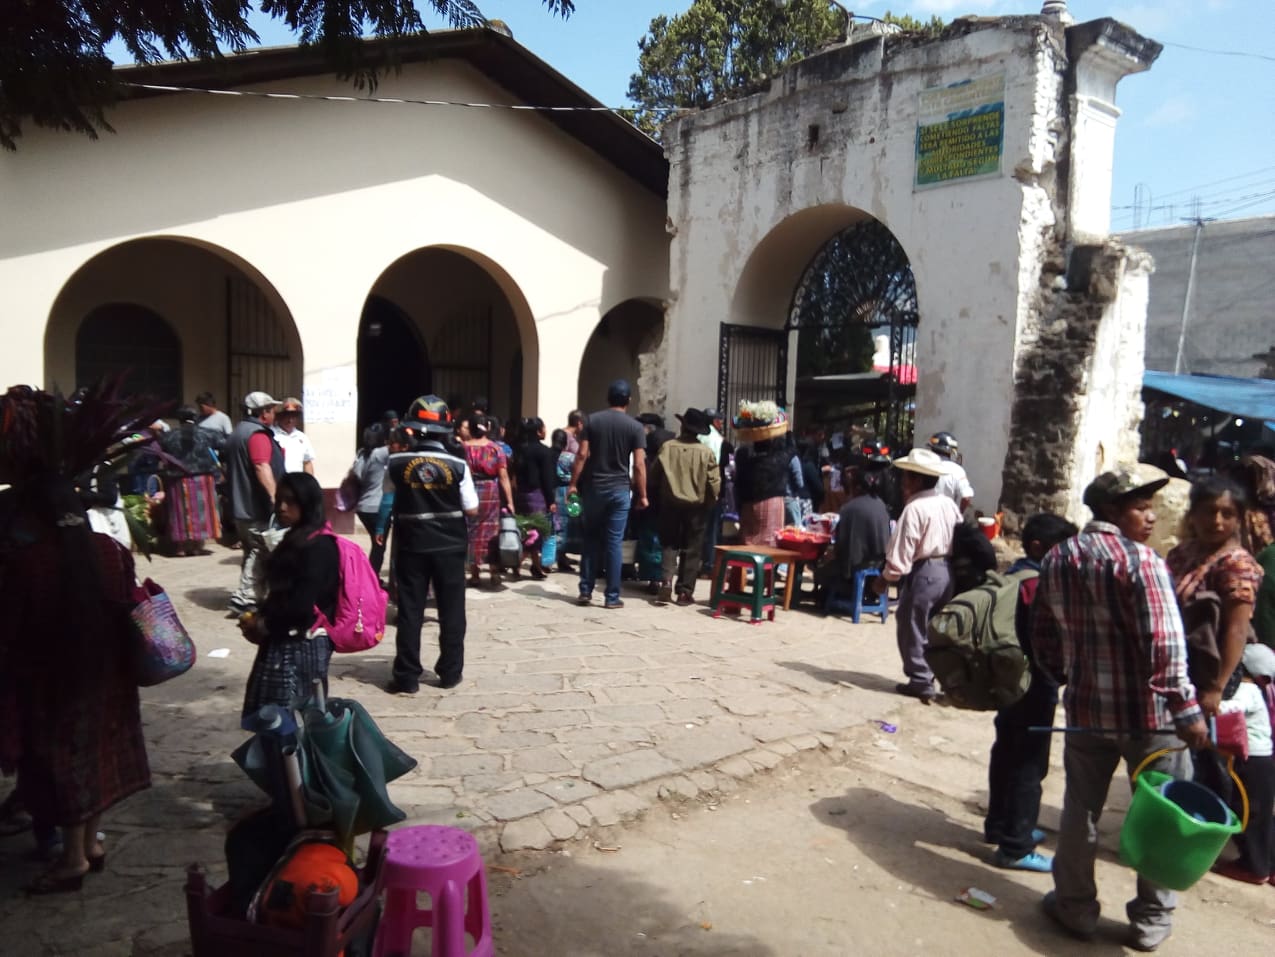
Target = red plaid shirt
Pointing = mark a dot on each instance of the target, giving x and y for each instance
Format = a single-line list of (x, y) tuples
[(1106, 622)]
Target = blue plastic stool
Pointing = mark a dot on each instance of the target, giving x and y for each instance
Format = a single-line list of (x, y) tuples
[(879, 607)]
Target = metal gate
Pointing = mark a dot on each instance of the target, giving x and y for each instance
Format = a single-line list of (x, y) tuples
[(752, 365), (258, 358), (460, 355)]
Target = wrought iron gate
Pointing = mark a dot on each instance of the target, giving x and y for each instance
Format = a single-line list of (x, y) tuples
[(258, 358), (752, 365)]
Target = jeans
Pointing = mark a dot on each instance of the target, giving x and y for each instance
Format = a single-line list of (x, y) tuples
[(252, 572), (1020, 761), (606, 513), (416, 572), (927, 589), (1090, 761), (377, 558)]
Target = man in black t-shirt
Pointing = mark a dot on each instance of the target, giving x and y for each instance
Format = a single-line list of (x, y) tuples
[(608, 442)]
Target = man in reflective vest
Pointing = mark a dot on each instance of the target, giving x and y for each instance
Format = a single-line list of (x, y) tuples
[(433, 492)]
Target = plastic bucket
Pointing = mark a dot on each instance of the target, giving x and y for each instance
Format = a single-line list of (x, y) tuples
[(1175, 830)]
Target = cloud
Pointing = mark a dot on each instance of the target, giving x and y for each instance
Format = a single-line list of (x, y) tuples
[(1172, 112)]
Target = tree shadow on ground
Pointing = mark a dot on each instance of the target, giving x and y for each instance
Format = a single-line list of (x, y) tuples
[(602, 910), (835, 676), (900, 837), (213, 599)]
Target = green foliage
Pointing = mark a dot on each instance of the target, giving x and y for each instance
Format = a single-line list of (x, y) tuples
[(725, 49), (721, 50), (55, 72), (908, 24)]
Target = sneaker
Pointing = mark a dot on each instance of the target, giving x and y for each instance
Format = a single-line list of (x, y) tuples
[(584, 600), (1049, 903), (924, 695), (684, 599), (612, 605), (448, 683), (665, 595), (1147, 939), (398, 687), (1035, 861), (1038, 835)]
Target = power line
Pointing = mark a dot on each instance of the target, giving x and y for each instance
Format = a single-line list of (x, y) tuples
[(1239, 53), (528, 107)]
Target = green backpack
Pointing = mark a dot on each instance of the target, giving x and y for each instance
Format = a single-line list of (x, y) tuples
[(973, 646)]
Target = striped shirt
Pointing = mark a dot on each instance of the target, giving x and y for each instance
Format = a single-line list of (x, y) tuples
[(1106, 622)]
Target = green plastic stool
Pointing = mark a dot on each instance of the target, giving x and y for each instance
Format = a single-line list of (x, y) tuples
[(759, 600)]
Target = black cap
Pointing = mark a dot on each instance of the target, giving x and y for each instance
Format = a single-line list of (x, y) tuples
[(619, 392)]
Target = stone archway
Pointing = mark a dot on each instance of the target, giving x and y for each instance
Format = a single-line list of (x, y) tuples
[(823, 320), (472, 326), (626, 344), (233, 332)]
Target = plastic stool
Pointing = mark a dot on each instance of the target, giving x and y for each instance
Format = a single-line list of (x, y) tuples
[(759, 599), (444, 862), (879, 607)]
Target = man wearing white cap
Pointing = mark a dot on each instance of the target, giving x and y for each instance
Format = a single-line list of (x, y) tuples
[(254, 462), (917, 558)]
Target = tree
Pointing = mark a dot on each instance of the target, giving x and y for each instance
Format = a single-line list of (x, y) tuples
[(725, 49), (54, 69)]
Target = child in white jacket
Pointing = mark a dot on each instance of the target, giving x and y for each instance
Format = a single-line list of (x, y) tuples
[(1256, 863)]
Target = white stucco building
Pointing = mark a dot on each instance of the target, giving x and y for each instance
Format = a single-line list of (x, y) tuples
[(986, 154), (357, 254)]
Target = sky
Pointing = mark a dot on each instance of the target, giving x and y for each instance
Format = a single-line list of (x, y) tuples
[(1196, 125)]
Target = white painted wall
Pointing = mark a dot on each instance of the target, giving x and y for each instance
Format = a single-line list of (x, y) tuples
[(751, 203), (320, 199)]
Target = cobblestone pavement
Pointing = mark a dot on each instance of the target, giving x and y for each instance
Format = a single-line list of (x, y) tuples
[(568, 718)]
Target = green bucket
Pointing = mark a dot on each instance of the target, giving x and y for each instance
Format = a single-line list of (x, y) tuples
[(1170, 844)]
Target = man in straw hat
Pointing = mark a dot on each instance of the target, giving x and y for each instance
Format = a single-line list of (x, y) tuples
[(1106, 624), (687, 483), (917, 558)]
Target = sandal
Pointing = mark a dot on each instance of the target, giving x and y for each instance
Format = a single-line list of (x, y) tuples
[(51, 883), (97, 864)]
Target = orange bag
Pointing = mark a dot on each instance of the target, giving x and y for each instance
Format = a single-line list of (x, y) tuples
[(311, 863)]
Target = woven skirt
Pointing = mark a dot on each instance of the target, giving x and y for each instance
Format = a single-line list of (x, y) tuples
[(190, 504)]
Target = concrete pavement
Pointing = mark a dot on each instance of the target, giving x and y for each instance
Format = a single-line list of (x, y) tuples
[(568, 718)]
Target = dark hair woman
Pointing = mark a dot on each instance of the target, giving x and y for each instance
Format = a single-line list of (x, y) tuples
[(535, 476), (302, 573), (72, 719), (761, 478), (490, 468)]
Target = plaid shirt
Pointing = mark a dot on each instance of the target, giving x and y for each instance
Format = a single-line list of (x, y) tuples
[(1106, 622)]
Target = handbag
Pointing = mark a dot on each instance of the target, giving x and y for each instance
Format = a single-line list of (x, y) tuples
[(162, 648), (1231, 730)]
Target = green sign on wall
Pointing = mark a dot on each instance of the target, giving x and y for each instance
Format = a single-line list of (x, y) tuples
[(960, 131)]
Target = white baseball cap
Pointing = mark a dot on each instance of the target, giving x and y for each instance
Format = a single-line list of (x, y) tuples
[(255, 401)]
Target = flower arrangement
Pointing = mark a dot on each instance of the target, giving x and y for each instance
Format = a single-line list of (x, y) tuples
[(751, 415)]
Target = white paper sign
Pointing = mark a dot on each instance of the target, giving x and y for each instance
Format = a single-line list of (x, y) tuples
[(332, 396)]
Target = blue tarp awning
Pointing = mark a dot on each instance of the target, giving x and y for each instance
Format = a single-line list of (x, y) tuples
[(1247, 398)]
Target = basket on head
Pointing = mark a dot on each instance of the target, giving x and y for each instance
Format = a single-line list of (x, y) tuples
[(760, 433)]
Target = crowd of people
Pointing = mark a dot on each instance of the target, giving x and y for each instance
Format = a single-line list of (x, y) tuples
[(1146, 649)]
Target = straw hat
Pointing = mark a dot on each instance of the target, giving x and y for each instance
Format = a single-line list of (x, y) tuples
[(921, 461)]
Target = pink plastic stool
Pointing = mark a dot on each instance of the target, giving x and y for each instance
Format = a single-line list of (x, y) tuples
[(444, 862)]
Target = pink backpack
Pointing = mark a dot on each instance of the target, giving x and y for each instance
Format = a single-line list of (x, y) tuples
[(360, 602)]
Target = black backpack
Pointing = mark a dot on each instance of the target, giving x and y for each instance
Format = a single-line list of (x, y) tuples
[(973, 646)]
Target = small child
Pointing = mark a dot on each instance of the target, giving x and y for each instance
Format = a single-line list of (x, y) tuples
[(1256, 863), (1020, 758)]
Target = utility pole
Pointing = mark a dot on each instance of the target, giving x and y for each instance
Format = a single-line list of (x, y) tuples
[(1190, 290)]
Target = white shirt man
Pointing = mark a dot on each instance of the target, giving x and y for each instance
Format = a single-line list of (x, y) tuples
[(298, 452)]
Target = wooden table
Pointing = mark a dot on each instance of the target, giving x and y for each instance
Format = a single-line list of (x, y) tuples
[(780, 555)]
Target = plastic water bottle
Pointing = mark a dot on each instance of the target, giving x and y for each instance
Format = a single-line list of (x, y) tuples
[(574, 508)]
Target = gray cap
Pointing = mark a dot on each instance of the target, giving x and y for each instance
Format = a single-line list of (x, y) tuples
[(255, 401)]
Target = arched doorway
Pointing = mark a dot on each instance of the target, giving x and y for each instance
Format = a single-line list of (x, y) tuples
[(393, 367), (123, 338), (824, 321), (855, 313), (462, 329), (185, 316), (623, 346)]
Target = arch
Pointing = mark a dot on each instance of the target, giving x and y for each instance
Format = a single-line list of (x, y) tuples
[(824, 319), (476, 332), (623, 345), (235, 332), (391, 357), (123, 338)]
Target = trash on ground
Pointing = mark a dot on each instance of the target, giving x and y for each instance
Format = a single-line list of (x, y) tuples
[(219, 653), (978, 899), (706, 925), (885, 726), (599, 846)]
